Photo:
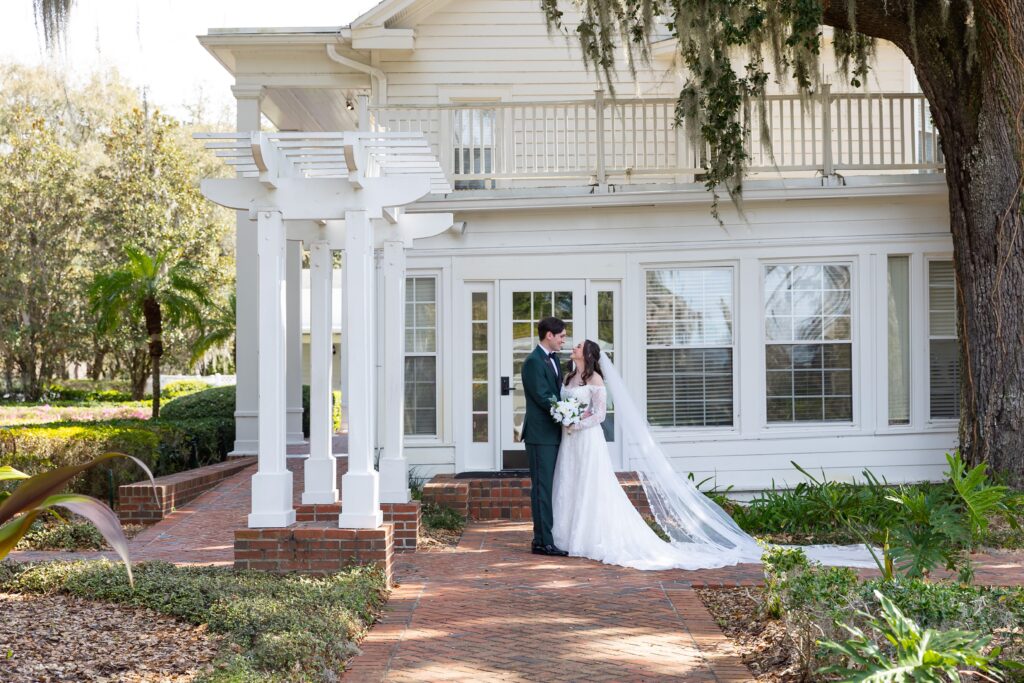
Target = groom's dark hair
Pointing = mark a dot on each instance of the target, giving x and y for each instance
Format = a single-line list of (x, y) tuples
[(552, 325)]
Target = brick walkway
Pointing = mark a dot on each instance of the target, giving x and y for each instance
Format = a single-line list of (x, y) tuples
[(490, 610)]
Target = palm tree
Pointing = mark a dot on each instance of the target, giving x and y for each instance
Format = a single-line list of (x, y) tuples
[(218, 330), (147, 285), (52, 18)]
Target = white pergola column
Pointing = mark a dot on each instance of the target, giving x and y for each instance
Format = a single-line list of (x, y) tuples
[(246, 345), (293, 287), (394, 469), (272, 483), (320, 467), (360, 488)]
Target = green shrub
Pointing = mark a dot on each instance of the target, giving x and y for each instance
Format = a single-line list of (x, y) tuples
[(165, 445), (88, 391), (220, 402), (215, 402), (438, 517), (286, 627), (182, 387), (62, 536)]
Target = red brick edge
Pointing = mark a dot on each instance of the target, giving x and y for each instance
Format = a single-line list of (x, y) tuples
[(405, 519), (507, 498), (136, 504), (314, 548)]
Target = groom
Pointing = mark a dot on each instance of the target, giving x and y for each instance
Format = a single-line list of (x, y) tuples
[(542, 379)]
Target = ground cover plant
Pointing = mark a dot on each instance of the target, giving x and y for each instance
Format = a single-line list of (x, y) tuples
[(279, 628), (68, 533), (842, 627)]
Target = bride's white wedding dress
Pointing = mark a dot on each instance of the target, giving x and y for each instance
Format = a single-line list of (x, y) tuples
[(594, 518)]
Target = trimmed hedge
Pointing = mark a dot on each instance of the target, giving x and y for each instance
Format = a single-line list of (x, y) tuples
[(219, 402), (183, 387), (165, 445)]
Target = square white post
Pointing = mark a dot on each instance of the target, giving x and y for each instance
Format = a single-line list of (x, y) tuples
[(246, 337), (394, 469), (320, 467), (272, 483), (293, 280), (360, 488)]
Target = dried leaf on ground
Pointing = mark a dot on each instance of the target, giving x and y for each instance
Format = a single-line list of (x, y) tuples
[(47, 638), (762, 642), (437, 539)]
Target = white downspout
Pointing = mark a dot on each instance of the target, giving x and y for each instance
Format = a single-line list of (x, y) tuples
[(374, 72)]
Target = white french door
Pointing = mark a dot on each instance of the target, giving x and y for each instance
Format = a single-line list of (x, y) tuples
[(523, 303)]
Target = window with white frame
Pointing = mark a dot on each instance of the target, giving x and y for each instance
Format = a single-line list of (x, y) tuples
[(421, 355), (690, 347), (943, 347), (898, 339), (808, 343)]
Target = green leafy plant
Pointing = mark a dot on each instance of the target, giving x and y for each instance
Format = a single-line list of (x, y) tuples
[(914, 653), (37, 494), (183, 387), (440, 517)]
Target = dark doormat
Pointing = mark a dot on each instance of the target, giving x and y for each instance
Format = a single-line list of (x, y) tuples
[(502, 474)]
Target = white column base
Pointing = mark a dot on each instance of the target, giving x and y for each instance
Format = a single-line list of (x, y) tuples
[(394, 480), (246, 431), (272, 500), (294, 428), (360, 501), (320, 476)]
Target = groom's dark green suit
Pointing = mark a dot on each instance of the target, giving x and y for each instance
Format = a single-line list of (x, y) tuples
[(541, 383)]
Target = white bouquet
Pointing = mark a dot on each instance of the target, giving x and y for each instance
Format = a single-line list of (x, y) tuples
[(567, 411)]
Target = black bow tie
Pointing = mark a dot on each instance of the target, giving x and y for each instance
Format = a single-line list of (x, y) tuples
[(553, 356)]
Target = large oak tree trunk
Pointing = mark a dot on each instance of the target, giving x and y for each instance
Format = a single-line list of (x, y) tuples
[(978, 107)]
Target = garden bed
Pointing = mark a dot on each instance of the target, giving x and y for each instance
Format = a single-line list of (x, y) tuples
[(241, 625)]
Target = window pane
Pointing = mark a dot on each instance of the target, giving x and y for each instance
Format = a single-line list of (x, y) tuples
[(421, 369), (689, 331), (810, 381), (899, 340), (943, 347)]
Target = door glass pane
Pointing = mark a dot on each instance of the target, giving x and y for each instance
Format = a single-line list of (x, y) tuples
[(480, 386), (899, 340)]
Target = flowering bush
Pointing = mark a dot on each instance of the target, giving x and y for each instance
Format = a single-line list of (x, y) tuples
[(42, 414)]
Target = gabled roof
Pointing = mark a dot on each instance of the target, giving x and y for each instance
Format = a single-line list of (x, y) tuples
[(398, 13)]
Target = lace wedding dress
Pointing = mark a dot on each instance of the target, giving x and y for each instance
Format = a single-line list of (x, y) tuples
[(594, 518)]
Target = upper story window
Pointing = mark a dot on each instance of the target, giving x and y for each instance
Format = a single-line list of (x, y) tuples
[(473, 141), (943, 347), (690, 347), (808, 343)]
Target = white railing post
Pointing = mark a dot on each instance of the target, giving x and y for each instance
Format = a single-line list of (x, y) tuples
[(320, 468), (827, 166), (602, 176), (293, 343)]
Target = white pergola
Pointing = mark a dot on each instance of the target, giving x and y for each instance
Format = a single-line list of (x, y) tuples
[(331, 191)]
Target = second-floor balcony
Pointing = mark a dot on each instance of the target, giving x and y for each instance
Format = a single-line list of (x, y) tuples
[(604, 140)]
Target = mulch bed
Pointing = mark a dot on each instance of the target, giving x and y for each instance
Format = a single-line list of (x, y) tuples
[(437, 539), (762, 642), (47, 638)]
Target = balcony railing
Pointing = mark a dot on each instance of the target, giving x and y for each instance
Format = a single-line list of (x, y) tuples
[(634, 140)]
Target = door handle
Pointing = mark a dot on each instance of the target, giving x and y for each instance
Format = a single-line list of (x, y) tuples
[(506, 386)]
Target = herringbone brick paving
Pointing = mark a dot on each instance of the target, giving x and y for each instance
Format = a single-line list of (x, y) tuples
[(490, 610)]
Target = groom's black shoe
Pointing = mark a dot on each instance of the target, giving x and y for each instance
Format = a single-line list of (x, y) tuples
[(551, 550), (537, 548)]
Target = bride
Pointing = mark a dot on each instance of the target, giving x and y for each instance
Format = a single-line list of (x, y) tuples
[(594, 518)]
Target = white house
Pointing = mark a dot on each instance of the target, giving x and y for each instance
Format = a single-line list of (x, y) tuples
[(817, 327)]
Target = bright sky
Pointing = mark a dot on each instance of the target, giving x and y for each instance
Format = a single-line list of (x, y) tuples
[(153, 42)]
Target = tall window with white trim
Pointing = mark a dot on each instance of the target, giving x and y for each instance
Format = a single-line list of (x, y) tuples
[(808, 343), (690, 347), (421, 356), (943, 347)]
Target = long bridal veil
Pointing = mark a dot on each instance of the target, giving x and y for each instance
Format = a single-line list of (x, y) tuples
[(691, 519)]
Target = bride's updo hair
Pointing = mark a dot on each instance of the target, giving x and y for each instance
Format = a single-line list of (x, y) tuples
[(591, 363)]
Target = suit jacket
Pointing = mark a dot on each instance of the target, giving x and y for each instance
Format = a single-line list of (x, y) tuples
[(540, 384)]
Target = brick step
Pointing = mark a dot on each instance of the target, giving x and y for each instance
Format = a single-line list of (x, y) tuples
[(482, 498)]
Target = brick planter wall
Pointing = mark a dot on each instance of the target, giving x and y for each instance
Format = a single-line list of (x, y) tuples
[(506, 498), (137, 506), (447, 491), (314, 548), (405, 519)]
